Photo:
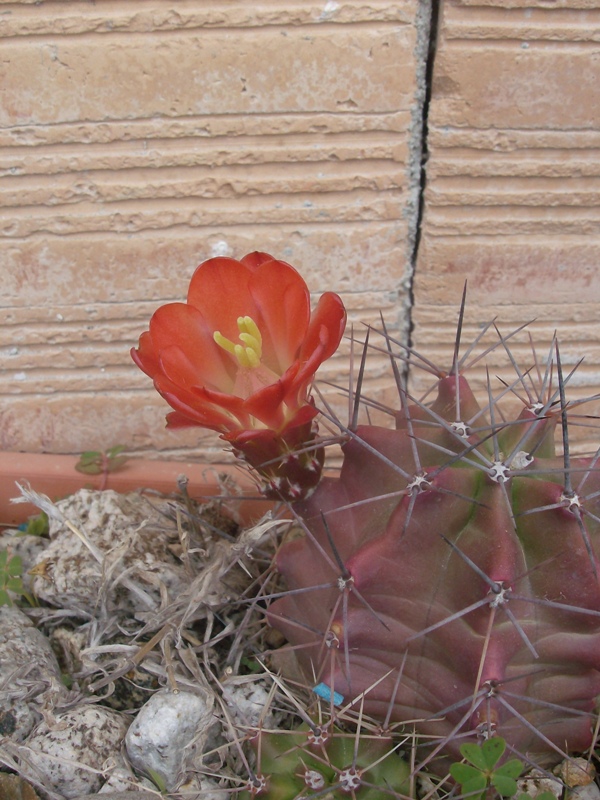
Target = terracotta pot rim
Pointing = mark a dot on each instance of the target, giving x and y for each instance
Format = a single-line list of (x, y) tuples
[(56, 476)]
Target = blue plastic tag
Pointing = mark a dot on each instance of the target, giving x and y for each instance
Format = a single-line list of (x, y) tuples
[(324, 691)]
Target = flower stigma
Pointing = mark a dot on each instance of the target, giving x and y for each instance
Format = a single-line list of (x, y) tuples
[(249, 353)]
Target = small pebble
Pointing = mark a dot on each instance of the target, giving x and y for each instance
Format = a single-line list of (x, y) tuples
[(161, 736), (70, 753), (29, 674)]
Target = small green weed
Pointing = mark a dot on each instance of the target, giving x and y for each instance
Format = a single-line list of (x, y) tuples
[(96, 462), (36, 526), (11, 570), (476, 777), (158, 780)]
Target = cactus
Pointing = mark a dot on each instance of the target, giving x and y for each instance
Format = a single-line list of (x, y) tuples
[(321, 760), (449, 575)]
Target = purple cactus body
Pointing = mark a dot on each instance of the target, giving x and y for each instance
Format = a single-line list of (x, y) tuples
[(456, 577)]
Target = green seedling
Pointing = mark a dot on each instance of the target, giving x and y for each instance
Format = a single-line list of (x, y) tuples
[(483, 772), (11, 570), (158, 780), (96, 462), (36, 526)]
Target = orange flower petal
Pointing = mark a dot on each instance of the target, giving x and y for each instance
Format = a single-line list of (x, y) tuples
[(331, 315), (186, 350), (220, 290), (283, 301), (254, 260)]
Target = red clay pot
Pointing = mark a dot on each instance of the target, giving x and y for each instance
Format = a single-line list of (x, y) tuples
[(56, 476)]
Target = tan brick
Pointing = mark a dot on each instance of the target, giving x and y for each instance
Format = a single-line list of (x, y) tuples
[(138, 139), (207, 72), (512, 203), (76, 18)]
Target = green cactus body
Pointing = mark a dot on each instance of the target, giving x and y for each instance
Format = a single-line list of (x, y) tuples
[(455, 566), (326, 762)]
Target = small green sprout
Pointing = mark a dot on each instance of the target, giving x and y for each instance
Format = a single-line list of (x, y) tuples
[(96, 462), (158, 780), (11, 570), (476, 777), (36, 526)]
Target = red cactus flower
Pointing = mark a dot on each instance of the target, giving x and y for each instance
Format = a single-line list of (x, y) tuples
[(241, 354)]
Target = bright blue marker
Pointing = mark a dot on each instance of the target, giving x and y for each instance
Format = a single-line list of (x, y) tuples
[(324, 691)]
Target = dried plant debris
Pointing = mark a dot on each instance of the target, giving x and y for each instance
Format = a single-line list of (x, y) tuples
[(137, 593)]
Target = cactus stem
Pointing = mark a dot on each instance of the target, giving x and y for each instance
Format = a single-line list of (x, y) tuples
[(447, 620), (455, 478)]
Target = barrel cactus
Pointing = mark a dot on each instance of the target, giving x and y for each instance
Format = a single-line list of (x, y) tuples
[(319, 759), (449, 575)]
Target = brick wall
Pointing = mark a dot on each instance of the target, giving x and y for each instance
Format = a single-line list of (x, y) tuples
[(138, 138), (513, 178)]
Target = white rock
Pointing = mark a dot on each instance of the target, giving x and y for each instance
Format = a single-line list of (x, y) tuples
[(167, 730), (125, 561), (128, 795), (576, 772), (589, 792), (537, 781), (29, 674), (70, 754), (201, 788), (121, 779), (247, 700)]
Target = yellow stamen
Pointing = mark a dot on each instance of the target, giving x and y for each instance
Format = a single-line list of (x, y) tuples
[(249, 353)]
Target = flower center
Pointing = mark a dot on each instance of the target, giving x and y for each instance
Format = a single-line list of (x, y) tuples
[(249, 353)]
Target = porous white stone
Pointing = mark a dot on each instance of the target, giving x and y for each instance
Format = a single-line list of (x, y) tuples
[(167, 731), (121, 779), (70, 752), (131, 794), (29, 674), (200, 788), (536, 782), (246, 701), (124, 562), (589, 792)]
